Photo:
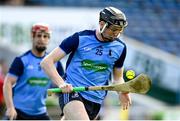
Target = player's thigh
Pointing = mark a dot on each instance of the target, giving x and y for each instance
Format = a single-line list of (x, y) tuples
[(75, 110)]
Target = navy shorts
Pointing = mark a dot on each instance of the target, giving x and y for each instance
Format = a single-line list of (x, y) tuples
[(23, 116), (92, 108)]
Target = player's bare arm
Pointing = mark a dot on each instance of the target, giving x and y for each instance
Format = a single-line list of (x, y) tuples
[(124, 97), (118, 75), (48, 65), (7, 91)]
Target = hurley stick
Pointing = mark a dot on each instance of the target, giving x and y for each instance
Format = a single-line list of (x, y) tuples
[(141, 84)]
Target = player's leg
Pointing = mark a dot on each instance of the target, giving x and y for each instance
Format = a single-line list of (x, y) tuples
[(62, 118), (76, 107), (72, 106), (75, 110)]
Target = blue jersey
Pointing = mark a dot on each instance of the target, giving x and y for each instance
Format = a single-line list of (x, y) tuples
[(29, 92), (91, 61)]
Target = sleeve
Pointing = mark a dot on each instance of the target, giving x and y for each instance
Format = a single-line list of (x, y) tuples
[(119, 63), (60, 68), (17, 67), (70, 44)]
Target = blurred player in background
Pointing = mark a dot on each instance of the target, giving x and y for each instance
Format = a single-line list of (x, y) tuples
[(1, 97), (26, 84), (94, 55), (3, 71)]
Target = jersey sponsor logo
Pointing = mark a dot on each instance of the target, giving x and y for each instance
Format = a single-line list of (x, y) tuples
[(34, 81), (92, 65)]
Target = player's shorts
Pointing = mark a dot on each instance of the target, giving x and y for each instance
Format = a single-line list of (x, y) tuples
[(23, 116), (92, 108)]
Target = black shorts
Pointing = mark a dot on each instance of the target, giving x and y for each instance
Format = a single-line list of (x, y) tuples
[(92, 108), (23, 116)]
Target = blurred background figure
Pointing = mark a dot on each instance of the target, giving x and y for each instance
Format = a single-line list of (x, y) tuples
[(3, 71), (3, 68), (25, 86), (13, 2)]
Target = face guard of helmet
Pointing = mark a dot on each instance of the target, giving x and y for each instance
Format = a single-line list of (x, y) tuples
[(113, 16), (40, 27)]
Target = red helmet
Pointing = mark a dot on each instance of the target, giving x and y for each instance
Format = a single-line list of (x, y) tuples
[(41, 27)]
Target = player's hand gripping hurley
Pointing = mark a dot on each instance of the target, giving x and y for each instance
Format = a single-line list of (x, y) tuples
[(141, 84)]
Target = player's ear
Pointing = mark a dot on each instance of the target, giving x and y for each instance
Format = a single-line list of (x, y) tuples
[(32, 35)]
